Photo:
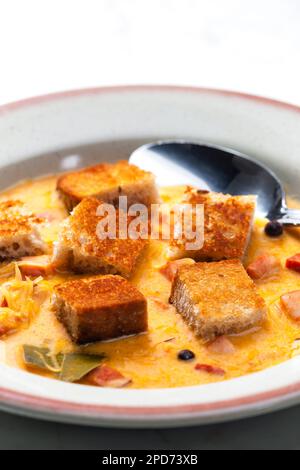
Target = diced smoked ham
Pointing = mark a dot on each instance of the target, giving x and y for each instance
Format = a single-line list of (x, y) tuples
[(3, 301), (3, 330), (294, 263), (169, 270), (106, 376), (9, 322), (210, 369), (162, 305), (35, 265), (264, 266), (290, 303), (221, 345), (51, 216)]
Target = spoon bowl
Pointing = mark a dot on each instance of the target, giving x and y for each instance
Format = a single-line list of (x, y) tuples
[(218, 169)]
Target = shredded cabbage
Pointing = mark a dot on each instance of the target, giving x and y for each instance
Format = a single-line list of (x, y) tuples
[(20, 299)]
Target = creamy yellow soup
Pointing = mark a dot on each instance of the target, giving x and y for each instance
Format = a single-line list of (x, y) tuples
[(150, 359)]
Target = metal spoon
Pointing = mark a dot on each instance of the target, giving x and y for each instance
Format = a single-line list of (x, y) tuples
[(218, 169)]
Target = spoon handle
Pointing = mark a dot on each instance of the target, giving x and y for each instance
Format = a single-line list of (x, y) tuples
[(290, 218)]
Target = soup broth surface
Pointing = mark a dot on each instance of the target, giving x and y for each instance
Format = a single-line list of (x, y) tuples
[(150, 359)]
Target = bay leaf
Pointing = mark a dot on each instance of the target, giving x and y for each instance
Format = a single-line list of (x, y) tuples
[(42, 358), (76, 365)]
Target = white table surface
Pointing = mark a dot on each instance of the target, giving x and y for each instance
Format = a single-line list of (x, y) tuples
[(245, 45)]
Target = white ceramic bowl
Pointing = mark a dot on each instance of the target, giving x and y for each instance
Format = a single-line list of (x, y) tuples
[(68, 130)]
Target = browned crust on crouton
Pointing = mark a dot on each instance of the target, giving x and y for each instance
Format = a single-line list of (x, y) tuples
[(217, 298), (86, 252), (108, 181), (15, 219), (228, 224), (18, 231), (100, 308)]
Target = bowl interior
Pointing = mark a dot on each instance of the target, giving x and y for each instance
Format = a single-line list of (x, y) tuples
[(66, 132)]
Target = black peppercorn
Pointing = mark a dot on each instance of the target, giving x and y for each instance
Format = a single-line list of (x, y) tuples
[(274, 229), (186, 355)]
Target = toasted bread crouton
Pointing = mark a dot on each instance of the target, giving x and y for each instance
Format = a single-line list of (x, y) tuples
[(106, 182), (19, 235), (80, 249), (217, 298), (228, 222), (100, 308)]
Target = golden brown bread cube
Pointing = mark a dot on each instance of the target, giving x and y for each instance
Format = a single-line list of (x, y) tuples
[(106, 182), (19, 234), (217, 298), (80, 249), (100, 308), (228, 222)]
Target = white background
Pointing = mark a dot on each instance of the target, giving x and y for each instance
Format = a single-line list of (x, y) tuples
[(245, 45)]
